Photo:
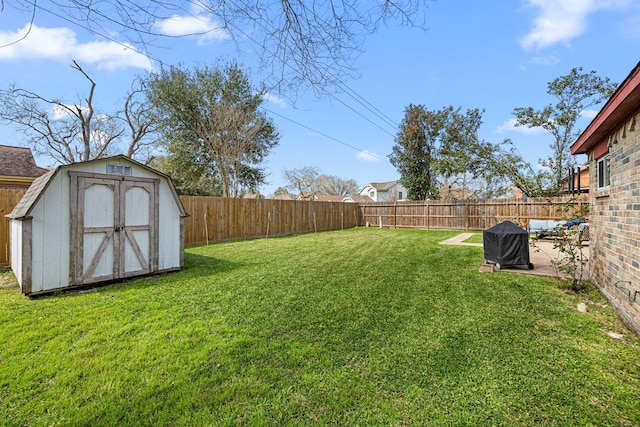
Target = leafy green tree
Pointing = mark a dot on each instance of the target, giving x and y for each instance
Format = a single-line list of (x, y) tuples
[(189, 179), (210, 119), (461, 159), (438, 154), (574, 93), (505, 161), (414, 152)]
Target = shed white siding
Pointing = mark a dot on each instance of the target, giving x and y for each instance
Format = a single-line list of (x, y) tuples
[(43, 251), (50, 237)]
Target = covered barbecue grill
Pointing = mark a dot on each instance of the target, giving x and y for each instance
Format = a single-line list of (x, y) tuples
[(506, 244)]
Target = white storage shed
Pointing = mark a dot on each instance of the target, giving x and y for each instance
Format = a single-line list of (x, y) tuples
[(96, 221)]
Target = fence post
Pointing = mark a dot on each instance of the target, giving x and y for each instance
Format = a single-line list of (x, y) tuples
[(395, 215), (466, 214), (427, 214)]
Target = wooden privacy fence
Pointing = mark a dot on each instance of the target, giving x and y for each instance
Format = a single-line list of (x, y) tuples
[(468, 214), (215, 219), (9, 197)]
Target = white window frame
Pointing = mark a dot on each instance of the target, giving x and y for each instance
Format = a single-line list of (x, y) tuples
[(603, 172), (114, 169)]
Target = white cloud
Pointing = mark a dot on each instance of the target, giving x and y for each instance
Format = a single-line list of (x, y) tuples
[(560, 21), (368, 156), (201, 26), (61, 44), (57, 112), (510, 126), (589, 114), (274, 99), (549, 60)]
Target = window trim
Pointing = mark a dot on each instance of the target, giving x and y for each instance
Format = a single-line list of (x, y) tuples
[(603, 173), (118, 169)]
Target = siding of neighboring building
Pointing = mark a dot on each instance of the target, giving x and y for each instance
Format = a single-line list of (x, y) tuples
[(391, 191)]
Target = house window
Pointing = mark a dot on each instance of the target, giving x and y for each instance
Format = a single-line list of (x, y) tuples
[(118, 169), (372, 194), (399, 195), (603, 173)]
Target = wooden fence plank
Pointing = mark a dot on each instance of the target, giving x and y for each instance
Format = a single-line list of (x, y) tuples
[(9, 198)]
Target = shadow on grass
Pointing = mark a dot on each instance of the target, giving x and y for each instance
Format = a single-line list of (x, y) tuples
[(195, 266)]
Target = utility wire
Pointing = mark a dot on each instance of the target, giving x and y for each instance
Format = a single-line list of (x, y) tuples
[(348, 90), (325, 135)]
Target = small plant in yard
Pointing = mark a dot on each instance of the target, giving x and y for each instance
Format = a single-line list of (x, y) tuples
[(571, 261)]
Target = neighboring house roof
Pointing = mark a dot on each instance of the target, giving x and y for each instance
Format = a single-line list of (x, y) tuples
[(35, 191), (284, 197), (357, 198), (381, 186), (306, 195), (18, 161), (329, 198), (623, 103)]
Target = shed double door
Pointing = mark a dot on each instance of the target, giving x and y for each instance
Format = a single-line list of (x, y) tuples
[(114, 227)]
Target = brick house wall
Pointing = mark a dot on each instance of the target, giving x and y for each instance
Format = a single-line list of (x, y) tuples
[(615, 226), (614, 134)]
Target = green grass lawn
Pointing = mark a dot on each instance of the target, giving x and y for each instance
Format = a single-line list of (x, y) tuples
[(475, 238), (356, 327)]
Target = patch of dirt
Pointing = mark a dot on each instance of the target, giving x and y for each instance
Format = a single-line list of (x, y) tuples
[(7, 279)]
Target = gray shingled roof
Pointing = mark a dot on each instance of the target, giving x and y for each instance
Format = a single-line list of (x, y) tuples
[(383, 186), (18, 161)]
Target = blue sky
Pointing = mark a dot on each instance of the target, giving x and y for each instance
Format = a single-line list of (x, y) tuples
[(495, 55)]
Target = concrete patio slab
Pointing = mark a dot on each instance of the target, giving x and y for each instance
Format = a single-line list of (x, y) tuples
[(542, 255)]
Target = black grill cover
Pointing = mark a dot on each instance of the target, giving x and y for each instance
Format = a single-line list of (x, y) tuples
[(506, 244)]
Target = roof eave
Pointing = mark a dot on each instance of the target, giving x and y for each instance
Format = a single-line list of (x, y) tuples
[(623, 103)]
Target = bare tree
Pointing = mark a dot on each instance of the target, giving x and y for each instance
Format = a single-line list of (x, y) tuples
[(141, 125), (66, 133), (229, 134), (303, 180), (70, 133), (300, 42), (333, 185)]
